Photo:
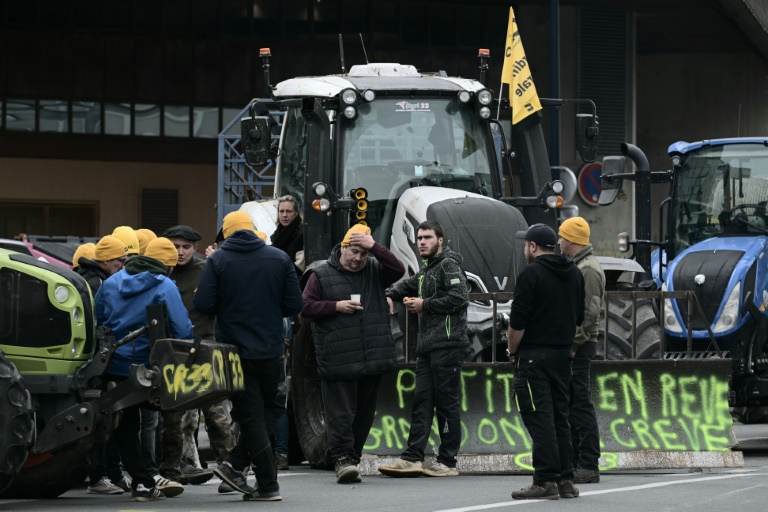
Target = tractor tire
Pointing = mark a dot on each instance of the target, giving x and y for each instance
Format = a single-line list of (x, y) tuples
[(620, 331), (307, 399), (55, 474), (15, 423)]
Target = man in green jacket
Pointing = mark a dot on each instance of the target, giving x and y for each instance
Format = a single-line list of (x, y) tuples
[(585, 434), (440, 295)]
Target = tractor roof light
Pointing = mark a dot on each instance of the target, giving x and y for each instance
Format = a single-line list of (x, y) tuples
[(623, 241), (464, 96), (369, 95), (485, 112), (484, 96), (349, 96), (350, 112), (320, 189)]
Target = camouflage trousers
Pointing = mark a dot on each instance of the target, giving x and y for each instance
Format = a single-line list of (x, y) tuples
[(178, 435)]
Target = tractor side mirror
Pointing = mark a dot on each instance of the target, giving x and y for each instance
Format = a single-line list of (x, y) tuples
[(257, 138), (611, 185), (587, 132)]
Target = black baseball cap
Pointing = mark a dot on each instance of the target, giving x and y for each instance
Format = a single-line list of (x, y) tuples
[(181, 231), (540, 234)]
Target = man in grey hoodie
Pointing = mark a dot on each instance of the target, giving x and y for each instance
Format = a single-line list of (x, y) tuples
[(440, 295)]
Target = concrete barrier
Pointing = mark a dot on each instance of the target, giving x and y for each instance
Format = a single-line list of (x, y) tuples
[(652, 414)]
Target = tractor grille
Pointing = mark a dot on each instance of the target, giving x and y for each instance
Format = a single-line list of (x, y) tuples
[(717, 267)]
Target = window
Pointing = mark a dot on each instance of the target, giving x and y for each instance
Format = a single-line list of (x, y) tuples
[(159, 208), (20, 115)]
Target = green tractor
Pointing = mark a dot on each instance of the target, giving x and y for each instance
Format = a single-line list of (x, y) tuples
[(56, 407)]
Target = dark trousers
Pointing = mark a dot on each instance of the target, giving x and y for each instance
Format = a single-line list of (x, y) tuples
[(148, 433), (109, 464), (438, 378), (257, 410), (350, 407), (542, 391), (585, 434), (129, 444)]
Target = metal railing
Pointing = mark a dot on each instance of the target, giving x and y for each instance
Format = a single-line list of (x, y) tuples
[(659, 296)]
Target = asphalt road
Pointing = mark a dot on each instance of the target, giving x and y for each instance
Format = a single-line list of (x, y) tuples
[(744, 489)]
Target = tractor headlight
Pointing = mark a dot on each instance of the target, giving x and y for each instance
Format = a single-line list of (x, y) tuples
[(61, 294), (623, 242), (369, 95), (670, 319), (350, 112), (484, 97), (349, 97), (76, 315), (730, 314), (320, 189), (485, 112), (464, 96)]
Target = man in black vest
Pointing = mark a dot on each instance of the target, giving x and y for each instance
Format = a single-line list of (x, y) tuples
[(353, 340)]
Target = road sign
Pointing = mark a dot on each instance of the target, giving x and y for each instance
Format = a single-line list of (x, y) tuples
[(589, 182)]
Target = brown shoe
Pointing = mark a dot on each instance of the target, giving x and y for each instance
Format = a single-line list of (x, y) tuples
[(402, 468), (586, 476), (567, 489), (548, 491)]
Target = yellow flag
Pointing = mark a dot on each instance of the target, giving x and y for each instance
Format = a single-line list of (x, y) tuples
[(517, 73)]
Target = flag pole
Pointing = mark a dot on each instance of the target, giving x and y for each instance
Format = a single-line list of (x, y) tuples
[(501, 93)]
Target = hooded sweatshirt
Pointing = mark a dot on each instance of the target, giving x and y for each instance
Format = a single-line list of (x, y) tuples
[(442, 284), (549, 303), (121, 304), (250, 287)]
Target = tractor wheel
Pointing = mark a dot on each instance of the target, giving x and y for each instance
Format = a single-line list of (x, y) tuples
[(620, 330), (307, 399), (15, 423), (50, 475)]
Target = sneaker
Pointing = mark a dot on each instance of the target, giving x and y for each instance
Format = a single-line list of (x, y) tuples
[(224, 488), (440, 469), (566, 489), (282, 461), (257, 495), (168, 487), (104, 486), (548, 491), (124, 483), (234, 478), (586, 476), (403, 468), (194, 475), (346, 472), (143, 494)]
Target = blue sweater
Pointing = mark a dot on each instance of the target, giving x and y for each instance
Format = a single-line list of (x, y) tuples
[(121, 304)]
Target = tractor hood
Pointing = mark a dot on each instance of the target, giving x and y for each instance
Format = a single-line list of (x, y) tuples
[(481, 229), (711, 269)]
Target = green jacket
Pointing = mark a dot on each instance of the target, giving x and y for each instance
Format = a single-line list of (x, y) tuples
[(594, 293)]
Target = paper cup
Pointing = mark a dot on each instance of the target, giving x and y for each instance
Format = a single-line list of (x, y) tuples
[(355, 297)]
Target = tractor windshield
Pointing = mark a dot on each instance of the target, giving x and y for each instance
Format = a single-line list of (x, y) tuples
[(397, 143), (719, 190)]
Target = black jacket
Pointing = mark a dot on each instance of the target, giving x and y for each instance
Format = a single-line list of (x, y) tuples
[(350, 346), (443, 286), (187, 278), (250, 287), (93, 274), (549, 302)]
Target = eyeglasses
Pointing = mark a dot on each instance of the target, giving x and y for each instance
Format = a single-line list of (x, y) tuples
[(122, 260)]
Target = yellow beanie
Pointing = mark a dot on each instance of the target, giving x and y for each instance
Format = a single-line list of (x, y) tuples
[(260, 234), (110, 248), (235, 221), (84, 251), (575, 230), (145, 236), (357, 228), (163, 251), (128, 236)]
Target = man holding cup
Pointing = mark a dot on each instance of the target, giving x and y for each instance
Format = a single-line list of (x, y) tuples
[(345, 300)]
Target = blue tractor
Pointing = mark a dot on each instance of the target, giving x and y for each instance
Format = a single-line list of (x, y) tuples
[(714, 248)]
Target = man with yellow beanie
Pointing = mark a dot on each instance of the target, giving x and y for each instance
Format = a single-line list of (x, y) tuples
[(109, 255), (87, 251), (120, 304), (145, 236), (585, 433), (128, 236), (250, 287), (345, 300)]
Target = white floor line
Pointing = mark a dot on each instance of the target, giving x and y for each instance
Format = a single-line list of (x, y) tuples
[(595, 493)]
